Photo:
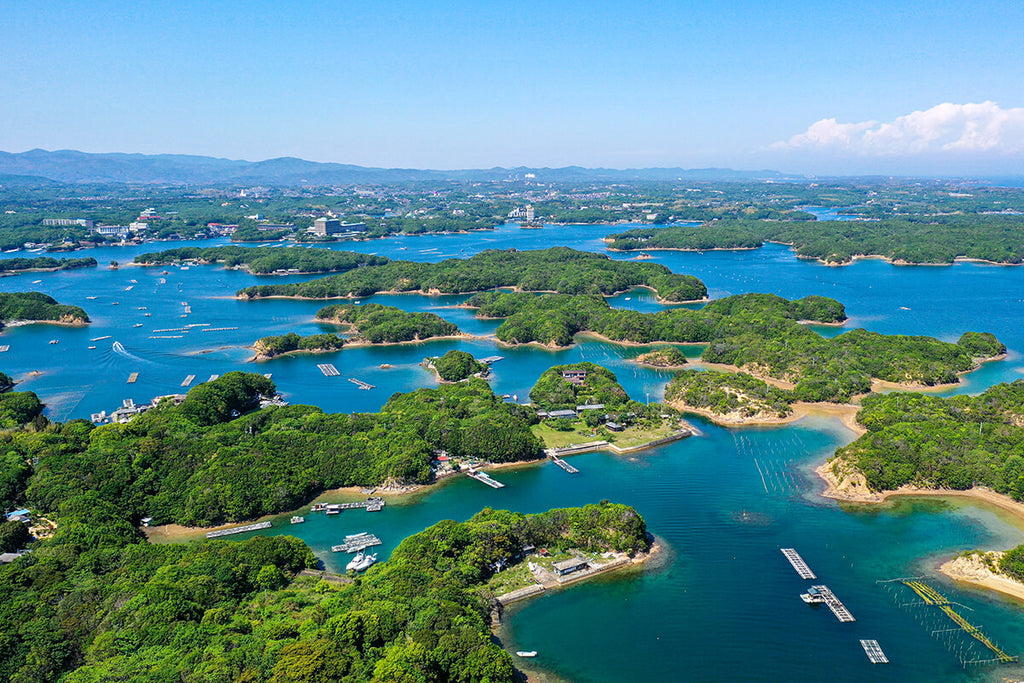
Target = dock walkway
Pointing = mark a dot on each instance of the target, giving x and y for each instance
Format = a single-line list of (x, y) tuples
[(361, 384), (355, 545), (798, 563), (874, 652), (834, 604), (564, 465), (371, 505), (188, 380), (238, 530), (484, 478)]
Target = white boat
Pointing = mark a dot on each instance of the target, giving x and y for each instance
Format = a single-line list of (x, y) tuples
[(526, 653), (355, 561), (298, 520), (55, 341), (812, 596), (367, 562)]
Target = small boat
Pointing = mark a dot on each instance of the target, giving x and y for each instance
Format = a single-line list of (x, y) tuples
[(367, 562), (355, 561), (92, 347), (298, 520), (90, 297), (55, 341), (812, 596), (149, 315), (36, 282), (359, 535), (526, 653), (137, 325), (629, 298)]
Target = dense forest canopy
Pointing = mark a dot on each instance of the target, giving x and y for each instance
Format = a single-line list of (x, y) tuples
[(38, 306), (723, 393), (599, 386), (913, 239), (760, 332), (20, 263), (199, 464), (935, 442), (456, 365), (559, 269), (276, 345), (380, 324), (97, 603), (263, 260)]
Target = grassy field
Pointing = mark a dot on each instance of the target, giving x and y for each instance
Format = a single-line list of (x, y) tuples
[(629, 438)]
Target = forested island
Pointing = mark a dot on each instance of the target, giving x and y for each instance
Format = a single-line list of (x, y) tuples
[(380, 324), (912, 239), (194, 464), (266, 348), (933, 442), (667, 357), (20, 264), (728, 396), (265, 260), (759, 333), (559, 269), (456, 366), (38, 307)]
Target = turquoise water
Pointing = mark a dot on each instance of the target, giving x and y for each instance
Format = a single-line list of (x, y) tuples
[(722, 602)]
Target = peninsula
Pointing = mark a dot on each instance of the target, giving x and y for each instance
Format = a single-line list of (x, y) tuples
[(265, 260), (38, 307)]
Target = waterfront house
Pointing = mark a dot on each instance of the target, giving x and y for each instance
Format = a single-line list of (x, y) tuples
[(576, 377)]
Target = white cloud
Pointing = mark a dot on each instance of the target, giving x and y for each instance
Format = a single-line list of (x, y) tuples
[(944, 129)]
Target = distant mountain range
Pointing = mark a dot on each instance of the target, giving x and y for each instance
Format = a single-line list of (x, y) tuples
[(39, 166)]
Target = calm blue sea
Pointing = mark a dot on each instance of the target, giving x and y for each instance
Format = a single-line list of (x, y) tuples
[(722, 603)]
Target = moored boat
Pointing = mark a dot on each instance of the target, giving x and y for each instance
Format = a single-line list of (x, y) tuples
[(526, 653), (298, 519), (355, 561), (812, 596)]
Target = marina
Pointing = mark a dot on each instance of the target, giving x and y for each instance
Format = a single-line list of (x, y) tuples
[(238, 530), (798, 563)]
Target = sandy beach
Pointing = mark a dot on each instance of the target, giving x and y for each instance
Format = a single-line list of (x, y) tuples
[(974, 569)]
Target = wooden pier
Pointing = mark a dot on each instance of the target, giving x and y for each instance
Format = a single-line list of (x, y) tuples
[(798, 563), (132, 378), (354, 545), (484, 478), (874, 652), (213, 377), (238, 530), (328, 370), (188, 380), (834, 604), (564, 465), (361, 384)]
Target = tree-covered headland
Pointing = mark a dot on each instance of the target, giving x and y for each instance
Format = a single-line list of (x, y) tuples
[(759, 333), (37, 306), (935, 442), (559, 269), (197, 464), (913, 239), (456, 366)]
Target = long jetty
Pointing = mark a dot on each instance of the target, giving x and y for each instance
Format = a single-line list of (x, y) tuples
[(328, 370), (874, 652), (238, 530), (798, 563), (834, 604), (564, 465), (485, 478), (188, 380), (370, 504), (361, 384)]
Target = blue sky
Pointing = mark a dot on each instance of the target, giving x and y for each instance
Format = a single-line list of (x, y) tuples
[(731, 83)]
